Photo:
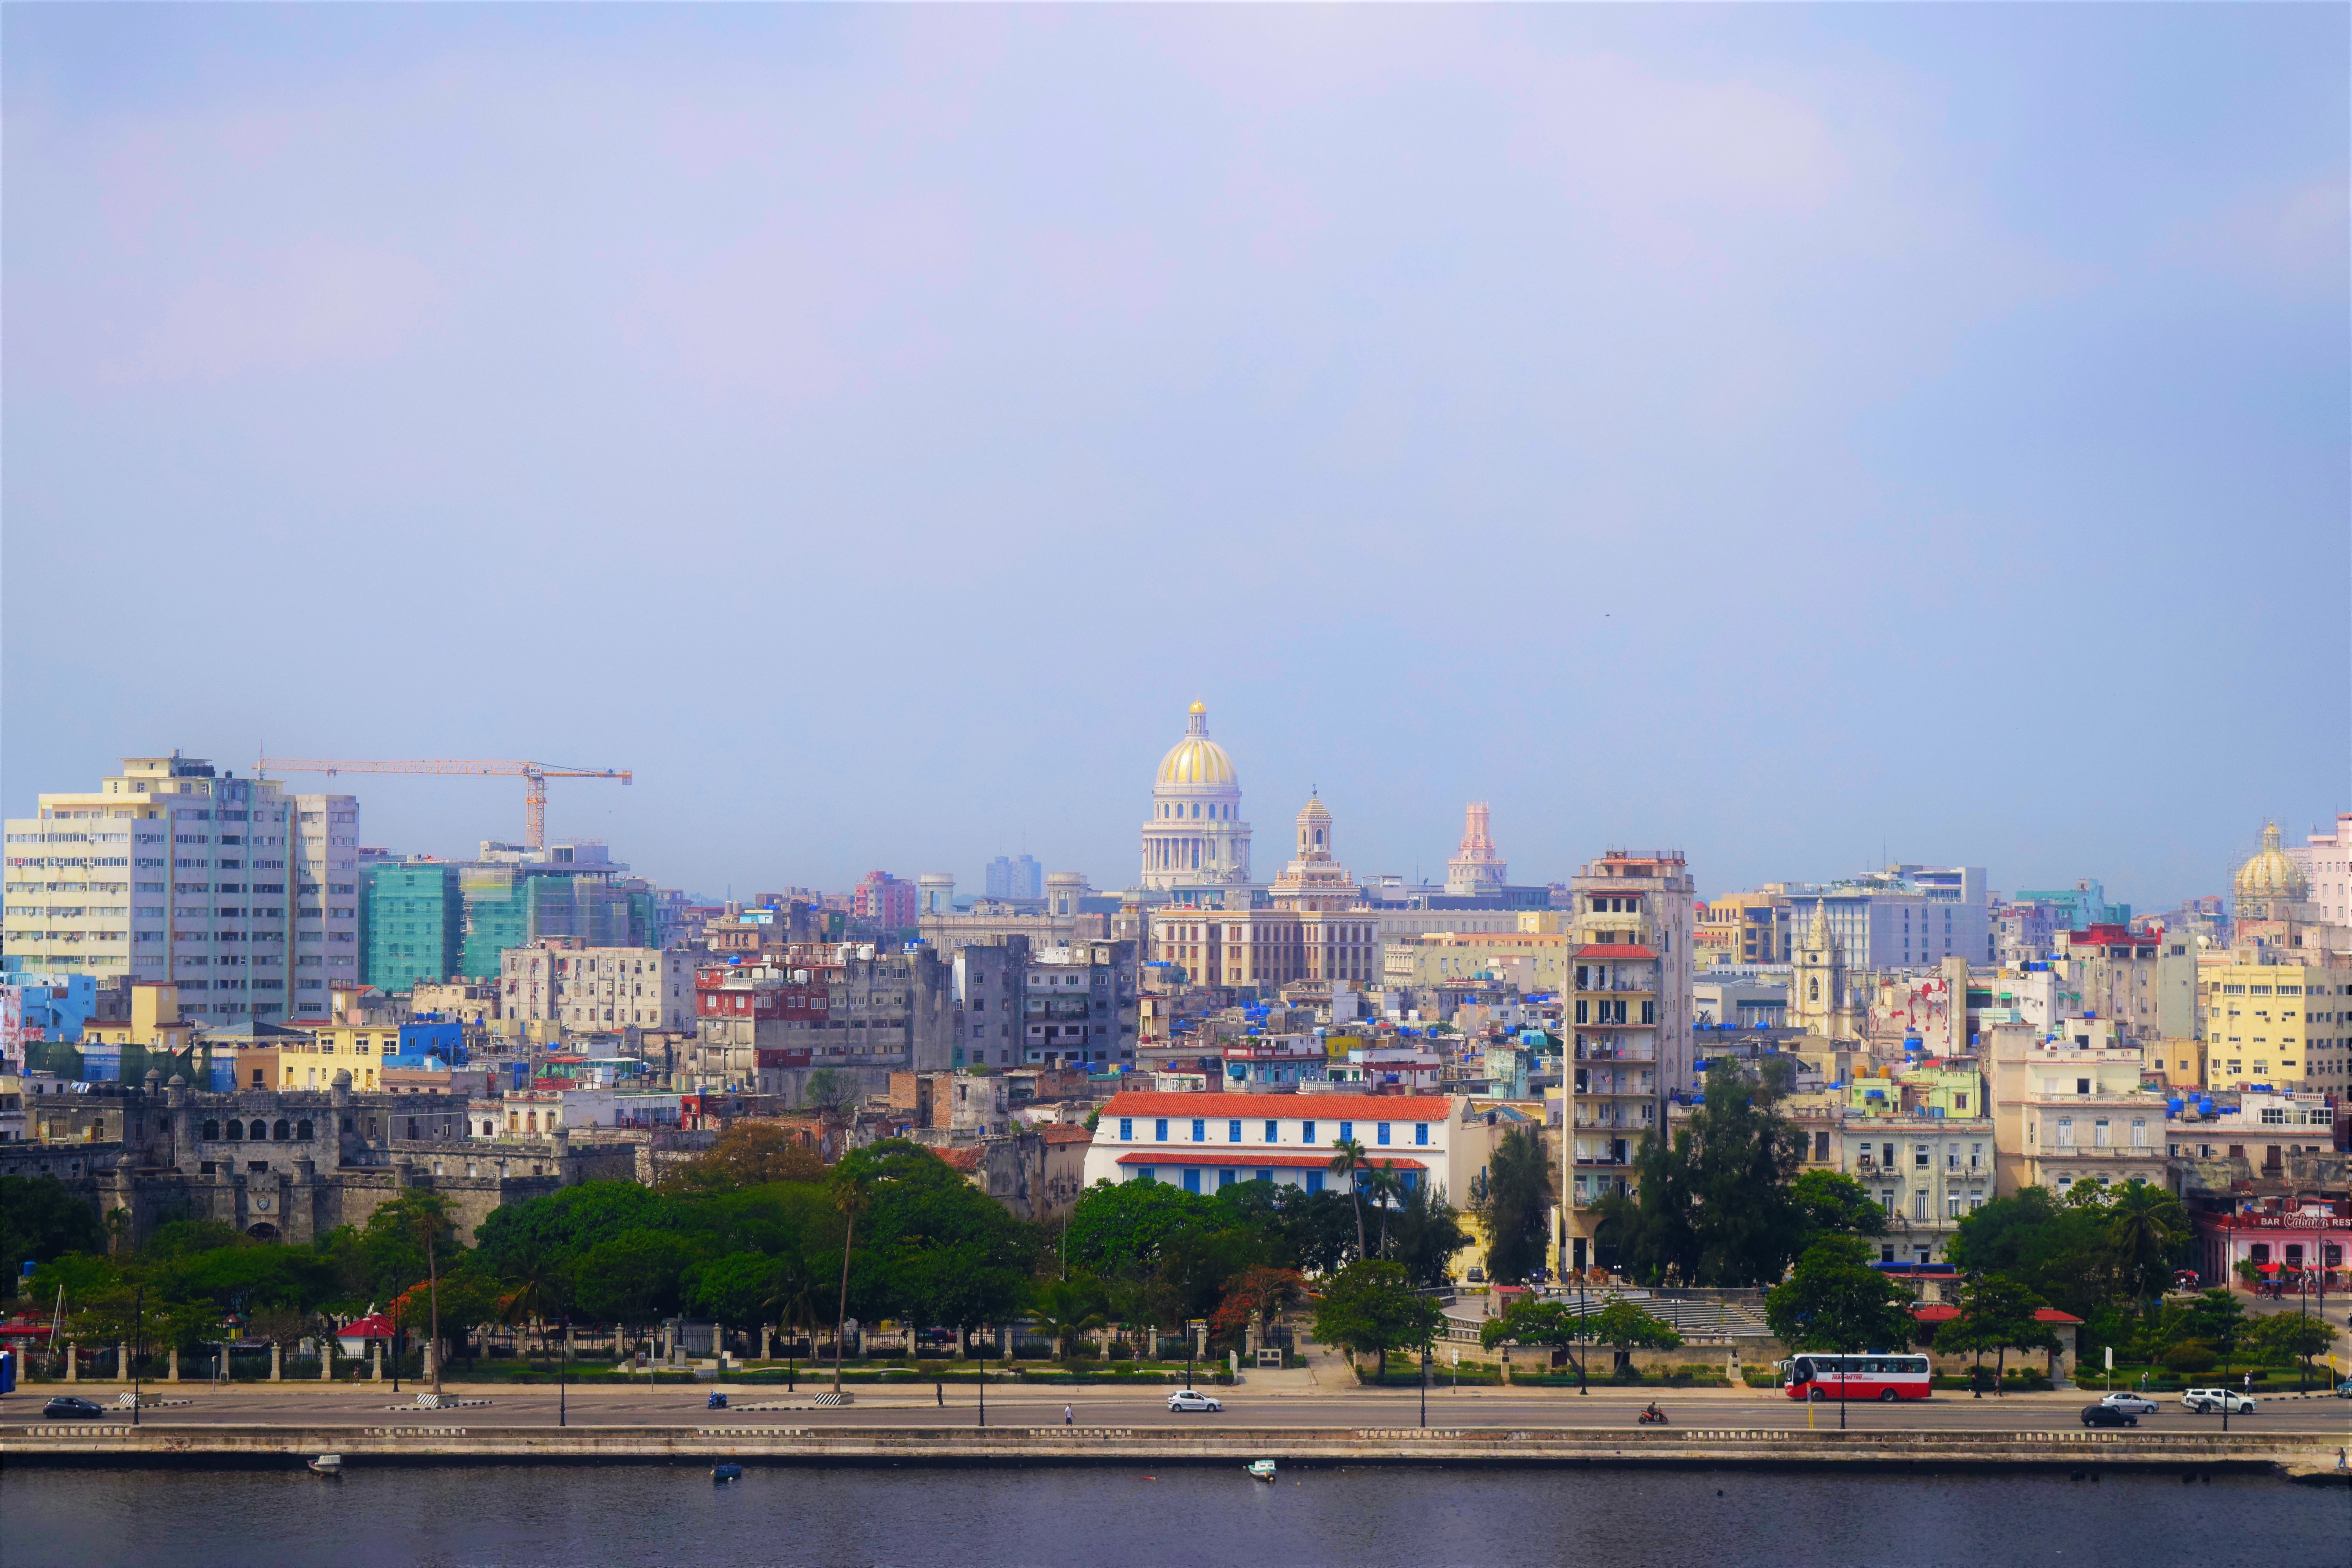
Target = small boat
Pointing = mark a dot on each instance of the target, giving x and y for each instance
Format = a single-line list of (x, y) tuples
[(328, 1463), (1261, 1471), (721, 1474)]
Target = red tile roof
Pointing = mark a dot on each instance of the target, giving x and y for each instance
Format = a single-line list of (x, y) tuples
[(965, 1158), (1942, 1312), (1287, 1107), (1287, 1162), (1065, 1133)]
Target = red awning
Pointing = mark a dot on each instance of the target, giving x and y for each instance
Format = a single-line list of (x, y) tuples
[(374, 1326)]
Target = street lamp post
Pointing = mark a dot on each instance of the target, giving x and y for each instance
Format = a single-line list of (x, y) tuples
[(1424, 1385), (1582, 1343), (138, 1346), (564, 1376)]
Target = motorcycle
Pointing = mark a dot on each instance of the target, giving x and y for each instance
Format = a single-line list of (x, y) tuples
[(1652, 1416)]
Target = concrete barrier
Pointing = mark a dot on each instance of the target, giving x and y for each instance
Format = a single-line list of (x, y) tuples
[(2306, 1454)]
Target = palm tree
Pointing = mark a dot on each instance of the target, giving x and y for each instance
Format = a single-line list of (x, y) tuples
[(1384, 1186), (2147, 1222), (541, 1286), (1346, 1161), (1068, 1307), (852, 1198)]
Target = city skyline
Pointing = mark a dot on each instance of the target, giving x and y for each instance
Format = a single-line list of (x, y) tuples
[(1803, 438), (971, 873)]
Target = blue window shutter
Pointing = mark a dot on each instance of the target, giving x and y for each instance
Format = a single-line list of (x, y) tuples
[(1159, 1132), (1234, 1131), (1127, 1129), (1200, 1130)]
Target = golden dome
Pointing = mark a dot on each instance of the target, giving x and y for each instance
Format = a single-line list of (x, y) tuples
[(1196, 759), (2270, 874)]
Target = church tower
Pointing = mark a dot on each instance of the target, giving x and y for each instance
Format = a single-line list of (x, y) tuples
[(1817, 986)]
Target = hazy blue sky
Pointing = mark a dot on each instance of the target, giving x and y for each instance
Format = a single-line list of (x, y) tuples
[(1786, 434)]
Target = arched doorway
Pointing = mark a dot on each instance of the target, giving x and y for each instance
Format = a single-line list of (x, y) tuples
[(262, 1230)]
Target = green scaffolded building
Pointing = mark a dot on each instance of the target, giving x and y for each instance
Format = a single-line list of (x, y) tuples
[(412, 922), (507, 905)]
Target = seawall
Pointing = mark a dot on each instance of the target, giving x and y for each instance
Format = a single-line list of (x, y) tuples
[(2304, 1455)]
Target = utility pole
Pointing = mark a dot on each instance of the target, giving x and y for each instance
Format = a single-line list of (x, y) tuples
[(138, 1346)]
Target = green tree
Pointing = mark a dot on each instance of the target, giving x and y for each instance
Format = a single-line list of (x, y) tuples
[(2149, 1229), (852, 1196), (635, 1279), (1383, 1184), (1121, 1227), (539, 1289), (1069, 1310), (2292, 1336), (1424, 1235), (1714, 1205), (1832, 1203), (422, 1217), (1347, 1163), (1625, 1328), (40, 1220), (1997, 1314), (2218, 1318), (1369, 1308), (1551, 1325), (1512, 1199), (1833, 1300)]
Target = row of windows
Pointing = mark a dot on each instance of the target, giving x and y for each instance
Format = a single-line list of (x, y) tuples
[(1382, 1132), (1189, 1177)]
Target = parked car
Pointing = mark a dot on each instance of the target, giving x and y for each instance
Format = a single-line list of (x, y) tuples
[(1187, 1399), (2130, 1404), (2106, 1415), (2206, 1401), (2343, 1389), (70, 1408)]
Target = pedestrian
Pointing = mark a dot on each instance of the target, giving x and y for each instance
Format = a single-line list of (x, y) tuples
[(940, 1388), (1068, 1416)]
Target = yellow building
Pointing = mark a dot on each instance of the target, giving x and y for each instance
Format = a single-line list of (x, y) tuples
[(2275, 1025), (2180, 1063), (1742, 928), (154, 1023), (311, 1058)]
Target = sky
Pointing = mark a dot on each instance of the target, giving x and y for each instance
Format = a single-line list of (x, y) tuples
[(1806, 437)]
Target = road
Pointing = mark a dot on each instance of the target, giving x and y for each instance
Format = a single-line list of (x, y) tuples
[(672, 1406)]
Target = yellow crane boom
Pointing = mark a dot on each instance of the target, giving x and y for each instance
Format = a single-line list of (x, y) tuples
[(534, 776)]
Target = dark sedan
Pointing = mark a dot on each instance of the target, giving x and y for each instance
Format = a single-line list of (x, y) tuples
[(69, 1407), (2107, 1415)]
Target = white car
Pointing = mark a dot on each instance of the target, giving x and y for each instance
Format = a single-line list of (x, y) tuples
[(2130, 1404), (2205, 1401), (1187, 1399)]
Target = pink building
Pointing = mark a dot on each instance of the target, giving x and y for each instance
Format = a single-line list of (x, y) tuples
[(2281, 1245), (885, 900)]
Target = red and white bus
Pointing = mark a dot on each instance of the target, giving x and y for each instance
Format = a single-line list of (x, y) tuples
[(1872, 1376)]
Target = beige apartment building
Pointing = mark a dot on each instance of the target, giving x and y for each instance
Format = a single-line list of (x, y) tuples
[(2064, 1112), (598, 989)]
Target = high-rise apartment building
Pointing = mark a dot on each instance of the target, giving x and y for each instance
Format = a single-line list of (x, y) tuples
[(245, 896), (1015, 878), (1630, 1012)]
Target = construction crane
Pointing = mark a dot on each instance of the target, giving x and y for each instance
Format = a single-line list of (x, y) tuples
[(534, 776)]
